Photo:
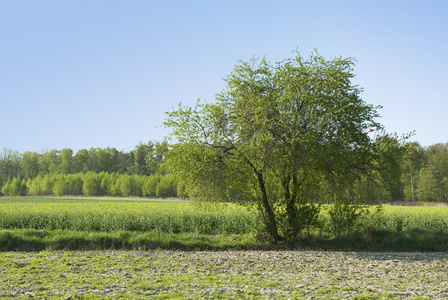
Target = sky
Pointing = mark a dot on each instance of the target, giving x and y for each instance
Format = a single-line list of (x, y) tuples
[(80, 73)]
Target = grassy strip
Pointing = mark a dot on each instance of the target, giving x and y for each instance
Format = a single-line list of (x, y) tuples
[(34, 224), (171, 216), (38, 240)]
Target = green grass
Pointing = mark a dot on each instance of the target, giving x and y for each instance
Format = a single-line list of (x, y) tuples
[(135, 223), (116, 214), (38, 240)]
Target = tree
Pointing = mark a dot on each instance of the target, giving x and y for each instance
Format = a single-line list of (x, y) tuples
[(157, 152), (29, 164), (6, 189), (35, 186), (433, 178), (107, 159), (126, 184), (9, 164), (92, 184), (413, 162), (92, 162), (150, 185), (60, 185), (141, 154), (46, 185), (66, 161), (166, 186), (125, 161), (49, 162), (388, 152), (427, 186), (274, 136), (80, 161), (74, 184)]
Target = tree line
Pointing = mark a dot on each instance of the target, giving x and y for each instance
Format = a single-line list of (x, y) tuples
[(425, 172), (143, 160), (93, 184), (93, 172), (422, 173)]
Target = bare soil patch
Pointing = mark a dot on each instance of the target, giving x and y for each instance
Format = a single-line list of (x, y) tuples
[(224, 275)]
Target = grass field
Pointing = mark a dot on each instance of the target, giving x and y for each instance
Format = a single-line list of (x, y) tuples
[(123, 214), (30, 224)]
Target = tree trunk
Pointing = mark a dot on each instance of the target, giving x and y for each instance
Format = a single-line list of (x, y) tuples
[(269, 214), (291, 209)]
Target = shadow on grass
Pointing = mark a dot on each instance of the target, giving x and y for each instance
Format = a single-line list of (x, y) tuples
[(414, 240), (38, 240), (379, 241)]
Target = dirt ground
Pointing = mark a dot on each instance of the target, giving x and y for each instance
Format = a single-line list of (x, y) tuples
[(223, 275)]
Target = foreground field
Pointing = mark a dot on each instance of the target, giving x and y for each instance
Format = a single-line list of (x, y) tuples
[(223, 275)]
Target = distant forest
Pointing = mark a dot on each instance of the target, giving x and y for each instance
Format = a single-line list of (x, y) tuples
[(93, 172), (100, 172)]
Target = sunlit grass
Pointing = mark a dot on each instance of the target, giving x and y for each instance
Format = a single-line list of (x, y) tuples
[(175, 216), (119, 223), (123, 214), (402, 218)]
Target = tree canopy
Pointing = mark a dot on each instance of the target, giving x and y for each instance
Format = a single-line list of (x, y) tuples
[(276, 136)]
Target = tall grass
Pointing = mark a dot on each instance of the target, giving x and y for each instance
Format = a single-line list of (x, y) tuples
[(168, 216), (123, 215), (120, 223), (403, 218)]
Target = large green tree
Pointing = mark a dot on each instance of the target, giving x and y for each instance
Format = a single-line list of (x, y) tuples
[(275, 136)]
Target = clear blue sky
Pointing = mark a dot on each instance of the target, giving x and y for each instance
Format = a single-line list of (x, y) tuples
[(80, 74)]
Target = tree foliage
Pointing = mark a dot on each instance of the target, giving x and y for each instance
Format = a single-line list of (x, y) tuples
[(281, 136)]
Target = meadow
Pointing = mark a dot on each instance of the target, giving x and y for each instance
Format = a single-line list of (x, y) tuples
[(79, 223), (128, 214)]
